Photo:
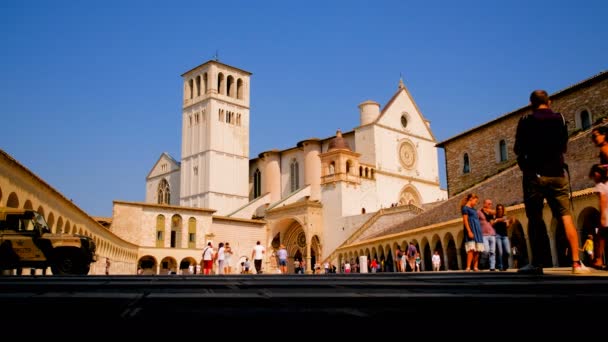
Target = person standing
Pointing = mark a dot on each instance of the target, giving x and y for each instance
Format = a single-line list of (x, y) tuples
[(108, 263), (473, 239), (220, 257), (398, 255), (282, 253), (436, 260), (486, 219), (599, 174), (208, 254), (411, 256), (599, 136), (227, 258), (503, 245), (541, 139), (258, 255)]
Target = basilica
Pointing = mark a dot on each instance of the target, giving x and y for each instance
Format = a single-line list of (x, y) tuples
[(310, 197)]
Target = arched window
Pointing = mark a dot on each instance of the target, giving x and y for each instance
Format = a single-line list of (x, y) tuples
[(332, 168), (239, 89), (230, 86), (205, 85), (192, 232), (160, 230), (198, 85), (257, 183), (294, 175), (221, 89), (502, 150), (585, 120), (348, 166), (191, 88), (466, 168), (164, 192)]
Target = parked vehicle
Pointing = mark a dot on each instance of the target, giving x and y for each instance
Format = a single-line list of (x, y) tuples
[(27, 242)]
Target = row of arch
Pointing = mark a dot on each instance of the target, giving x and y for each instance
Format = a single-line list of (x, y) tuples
[(226, 85), (451, 248)]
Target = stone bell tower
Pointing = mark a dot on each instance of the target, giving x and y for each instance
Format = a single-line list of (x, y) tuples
[(215, 137)]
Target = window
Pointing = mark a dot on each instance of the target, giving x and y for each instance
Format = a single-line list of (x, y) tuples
[(163, 192), (466, 168), (404, 120), (502, 150), (294, 175), (198, 85), (585, 120), (257, 183), (192, 232)]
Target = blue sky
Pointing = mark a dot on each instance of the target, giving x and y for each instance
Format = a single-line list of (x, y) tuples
[(90, 92)]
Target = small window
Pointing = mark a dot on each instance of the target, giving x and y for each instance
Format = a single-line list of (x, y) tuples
[(466, 168), (502, 147), (403, 121), (159, 235)]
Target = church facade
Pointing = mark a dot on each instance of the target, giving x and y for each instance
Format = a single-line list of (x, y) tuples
[(310, 197)]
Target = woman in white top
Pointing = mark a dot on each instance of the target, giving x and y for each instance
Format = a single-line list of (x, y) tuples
[(227, 255)]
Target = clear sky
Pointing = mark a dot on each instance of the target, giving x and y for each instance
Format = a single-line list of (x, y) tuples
[(90, 92)]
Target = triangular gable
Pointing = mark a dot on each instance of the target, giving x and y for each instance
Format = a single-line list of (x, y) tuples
[(401, 102), (156, 170)]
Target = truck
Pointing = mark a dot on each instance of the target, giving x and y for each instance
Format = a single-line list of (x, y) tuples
[(27, 242)]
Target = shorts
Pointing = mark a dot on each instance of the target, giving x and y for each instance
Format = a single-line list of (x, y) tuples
[(282, 262), (555, 190)]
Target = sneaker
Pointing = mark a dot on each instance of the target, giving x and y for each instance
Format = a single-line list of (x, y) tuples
[(530, 269), (579, 268)]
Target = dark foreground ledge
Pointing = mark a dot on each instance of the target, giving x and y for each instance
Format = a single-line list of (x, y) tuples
[(425, 304)]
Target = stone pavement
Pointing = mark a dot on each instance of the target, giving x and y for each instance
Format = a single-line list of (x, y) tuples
[(426, 304)]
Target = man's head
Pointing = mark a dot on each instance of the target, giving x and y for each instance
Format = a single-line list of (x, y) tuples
[(539, 98), (487, 203), (257, 243)]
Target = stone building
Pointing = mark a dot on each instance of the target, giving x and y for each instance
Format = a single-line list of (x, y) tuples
[(309, 197)]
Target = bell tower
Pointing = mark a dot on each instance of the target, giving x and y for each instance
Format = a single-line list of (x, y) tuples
[(215, 137)]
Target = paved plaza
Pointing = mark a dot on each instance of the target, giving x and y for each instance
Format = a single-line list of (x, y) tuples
[(429, 304)]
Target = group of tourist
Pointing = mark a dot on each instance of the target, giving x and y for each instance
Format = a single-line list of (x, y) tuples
[(485, 234)]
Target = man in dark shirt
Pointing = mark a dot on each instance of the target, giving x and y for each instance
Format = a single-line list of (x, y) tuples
[(540, 143)]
